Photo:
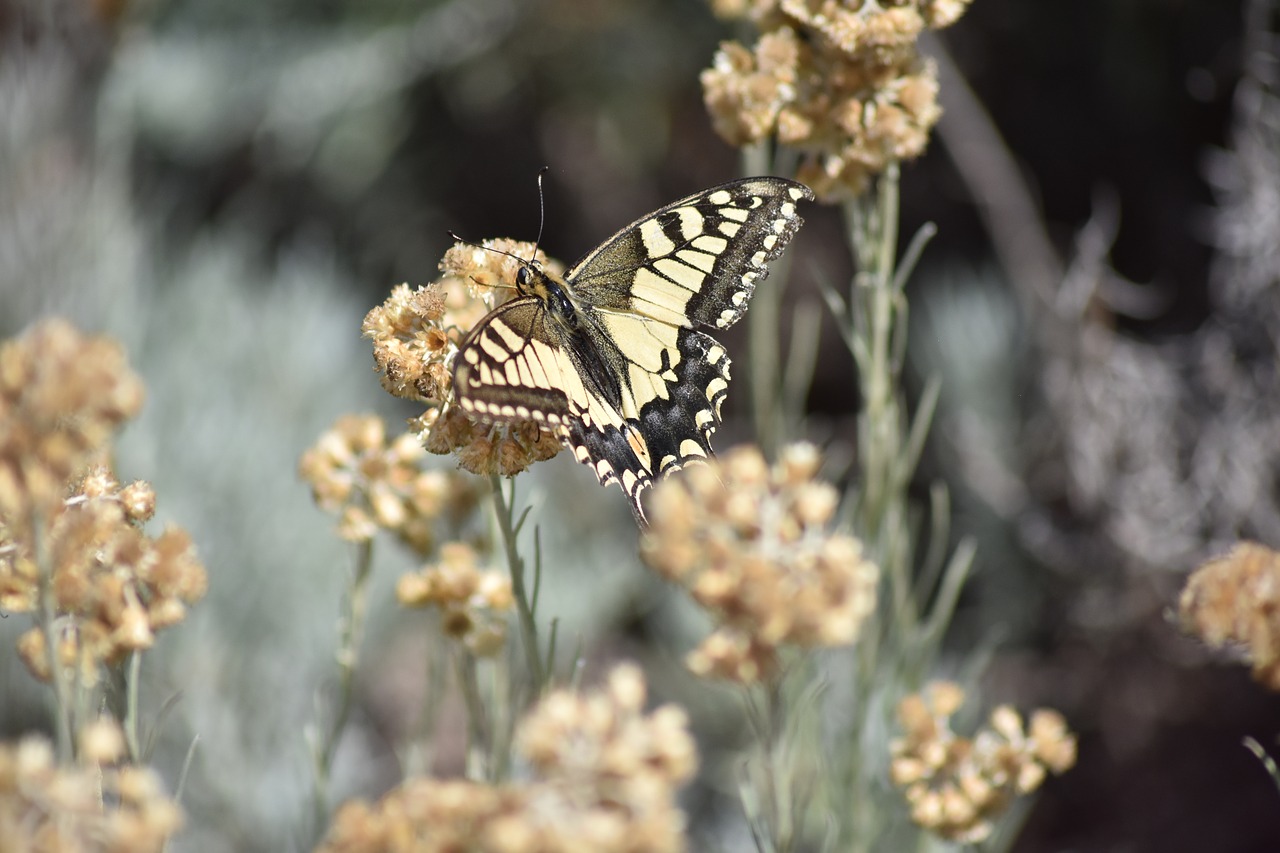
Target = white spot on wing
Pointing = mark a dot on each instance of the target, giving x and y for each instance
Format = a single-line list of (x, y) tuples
[(701, 260), (656, 243), (710, 243), (690, 222)]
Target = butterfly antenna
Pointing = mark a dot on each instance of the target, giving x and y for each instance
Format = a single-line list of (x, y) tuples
[(542, 210)]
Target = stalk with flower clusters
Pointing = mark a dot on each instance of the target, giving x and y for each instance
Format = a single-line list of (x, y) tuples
[(74, 553), (839, 89)]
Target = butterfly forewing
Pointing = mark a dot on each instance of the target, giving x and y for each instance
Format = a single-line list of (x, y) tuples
[(697, 260), (628, 380)]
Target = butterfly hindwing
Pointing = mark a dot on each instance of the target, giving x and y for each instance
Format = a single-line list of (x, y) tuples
[(611, 357), (669, 428), (511, 367)]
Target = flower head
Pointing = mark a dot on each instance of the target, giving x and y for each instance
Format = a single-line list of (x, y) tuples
[(374, 483), (62, 396), (90, 806), (416, 335), (113, 585), (1235, 600), (841, 81), (603, 777), (751, 543), (957, 786), (473, 603)]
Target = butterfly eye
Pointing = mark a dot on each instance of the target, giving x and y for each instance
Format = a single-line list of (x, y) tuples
[(522, 277)]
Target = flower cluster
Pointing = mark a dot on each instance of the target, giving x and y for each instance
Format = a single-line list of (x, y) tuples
[(841, 81), (416, 335), (751, 543), (1235, 600), (374, 483), (62, 396), (91, 806), (113, 586), (473, 603), (958, 786), (63, 517), (604, 777)]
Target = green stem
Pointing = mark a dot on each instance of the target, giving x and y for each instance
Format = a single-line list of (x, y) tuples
[(479, 740), (48, 616), (131, 706), (352, 628), (503, 509)]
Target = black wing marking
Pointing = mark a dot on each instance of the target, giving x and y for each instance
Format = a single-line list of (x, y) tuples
[(697, 260), (668, 431)]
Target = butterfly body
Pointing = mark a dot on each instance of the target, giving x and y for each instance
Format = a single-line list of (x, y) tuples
[(612, 356)]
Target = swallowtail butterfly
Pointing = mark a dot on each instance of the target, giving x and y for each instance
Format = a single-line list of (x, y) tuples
[(613, 356)]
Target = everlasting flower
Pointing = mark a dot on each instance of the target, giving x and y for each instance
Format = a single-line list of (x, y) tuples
[(840, 81), (603, 778), (88, 807), (1235, 600), (958, 786), (416, 336), (750, 543), (113, 586), (62, 395), (474, 604), (373, 484)]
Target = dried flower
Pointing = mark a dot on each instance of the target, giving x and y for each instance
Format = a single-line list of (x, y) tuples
[(416, 335), (841, 81), (473, 604), (62, 395), (750, 543), (1235, 600), (604, 777), (958, 786), (374, 484), (89, 807), (113, 586)]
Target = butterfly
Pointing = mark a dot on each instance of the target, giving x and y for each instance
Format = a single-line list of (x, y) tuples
[(612, 356)]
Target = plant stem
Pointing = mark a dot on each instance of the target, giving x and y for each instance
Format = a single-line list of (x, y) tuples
[(131, 706), (503, 509), (48, 615), (480, 759), (352, 628)]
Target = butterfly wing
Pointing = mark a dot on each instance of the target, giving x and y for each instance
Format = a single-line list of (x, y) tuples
[(695, 261), (646, 289)]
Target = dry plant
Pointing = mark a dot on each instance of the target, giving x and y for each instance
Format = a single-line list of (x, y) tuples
[(824, 616), (75, 556)]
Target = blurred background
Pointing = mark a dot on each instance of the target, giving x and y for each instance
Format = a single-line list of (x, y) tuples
[(227, 187)]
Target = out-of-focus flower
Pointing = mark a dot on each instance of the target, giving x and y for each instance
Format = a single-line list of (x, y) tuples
[(62, 395), (751, 544), (473, 604), (1235, 600), (957, 786), (92, 806), (603, 778), (416, 335), (373, 484), (840, 81), (113, 586)]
